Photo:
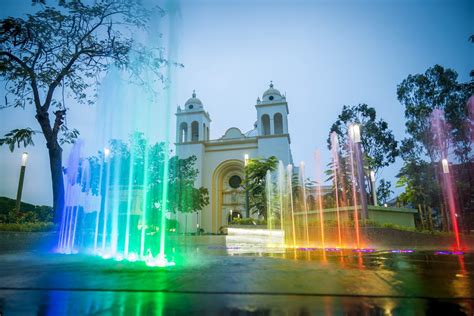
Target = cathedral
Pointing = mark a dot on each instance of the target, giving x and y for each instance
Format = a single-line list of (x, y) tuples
[(221, 161)]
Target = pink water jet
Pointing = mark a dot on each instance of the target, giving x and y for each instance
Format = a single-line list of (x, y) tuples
[(440, 130)]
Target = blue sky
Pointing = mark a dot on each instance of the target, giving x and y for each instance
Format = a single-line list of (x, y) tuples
[(322, 54)]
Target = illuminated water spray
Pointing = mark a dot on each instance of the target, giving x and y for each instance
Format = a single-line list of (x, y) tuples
[(304, 202), (440, 130), (320, 197), (351, 146), (336, 171), (117, 200), (289, 176)]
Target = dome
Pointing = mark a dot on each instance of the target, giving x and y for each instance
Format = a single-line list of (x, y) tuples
[(271, 91), (272, 94), (193, 102)]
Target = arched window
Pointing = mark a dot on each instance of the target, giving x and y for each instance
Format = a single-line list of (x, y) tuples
[(207, 133), (194, 131), (265, 124), (204, 134), (278, 121), (183, 132)]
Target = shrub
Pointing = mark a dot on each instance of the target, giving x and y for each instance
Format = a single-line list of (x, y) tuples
[(28, 227), (248, 221)]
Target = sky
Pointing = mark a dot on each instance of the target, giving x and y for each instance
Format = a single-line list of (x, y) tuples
[(321, 54)]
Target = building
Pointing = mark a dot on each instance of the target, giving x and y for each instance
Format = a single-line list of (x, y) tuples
[(221, 161)]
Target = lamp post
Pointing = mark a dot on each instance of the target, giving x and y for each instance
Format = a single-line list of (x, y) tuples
[(247, 203), (24, 159), (354, 132), (374, 189)]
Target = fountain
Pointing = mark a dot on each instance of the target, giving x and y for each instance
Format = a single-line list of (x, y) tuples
[(117, 200), (440, 130)]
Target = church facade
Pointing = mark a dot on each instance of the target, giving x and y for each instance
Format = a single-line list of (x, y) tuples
[(221, 161)]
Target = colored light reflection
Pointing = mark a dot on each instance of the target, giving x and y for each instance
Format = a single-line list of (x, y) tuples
[(364, 250), (456, 253), (332, 249), (401, 251)]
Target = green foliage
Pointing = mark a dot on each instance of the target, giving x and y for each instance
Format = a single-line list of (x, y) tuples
[(378, 141), (248, 221), (17, 137), (420, 182), (182, 173), (62, 50), (28, 212), (420, 94), (384, 191), (254, 183), (28, 227)]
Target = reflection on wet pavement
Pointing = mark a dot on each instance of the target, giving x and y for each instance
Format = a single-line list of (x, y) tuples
[(212, 277)]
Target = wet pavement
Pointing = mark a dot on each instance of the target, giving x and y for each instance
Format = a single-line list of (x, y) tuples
[(214, 277)]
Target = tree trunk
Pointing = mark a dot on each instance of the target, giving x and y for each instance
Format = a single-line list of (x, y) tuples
[(55, 163)]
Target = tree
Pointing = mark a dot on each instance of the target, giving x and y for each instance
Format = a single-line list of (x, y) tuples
[(378, 144), (255, 181), (62, 51), (384, 191), (182, 194), (420, 94)]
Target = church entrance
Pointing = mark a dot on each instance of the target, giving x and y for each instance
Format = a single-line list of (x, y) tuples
[(233, 196), (228, 195)]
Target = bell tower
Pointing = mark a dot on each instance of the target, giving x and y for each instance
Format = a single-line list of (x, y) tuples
[(192, 122), (272, 125)]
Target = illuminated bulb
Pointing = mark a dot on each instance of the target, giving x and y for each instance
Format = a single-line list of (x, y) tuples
[(106, 152), (354, 133), (24, 158), (445, 165)]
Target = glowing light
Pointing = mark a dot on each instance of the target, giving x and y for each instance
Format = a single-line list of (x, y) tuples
[(24, 159), (364, 250), (106, 256), (372, 175), (106, 152), (159, 261), (445, 165), (332, 249), (246, 159), (443, 252), (401, 251), (354, 133), (132, 257)]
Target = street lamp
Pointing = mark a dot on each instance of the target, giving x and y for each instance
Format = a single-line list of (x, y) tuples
[(354, 132), (24, 159), (374, 189), (445, 165), (246, 161)]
